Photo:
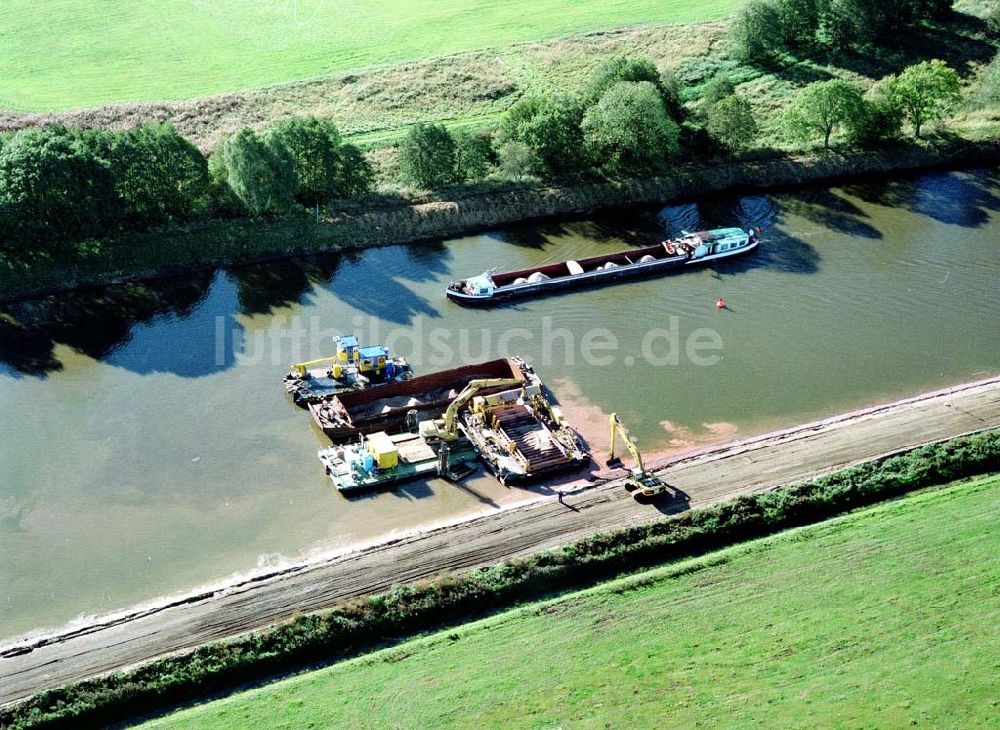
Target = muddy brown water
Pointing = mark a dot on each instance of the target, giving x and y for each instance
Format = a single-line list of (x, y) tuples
[(148, 446)]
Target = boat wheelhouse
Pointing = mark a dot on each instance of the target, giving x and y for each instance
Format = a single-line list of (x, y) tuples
[(690, 249)]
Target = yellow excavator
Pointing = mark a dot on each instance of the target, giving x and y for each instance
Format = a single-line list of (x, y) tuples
[(446, 428), (641, 482)]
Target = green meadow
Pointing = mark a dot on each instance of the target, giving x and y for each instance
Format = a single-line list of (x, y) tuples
[(62, 54), (883, 618)]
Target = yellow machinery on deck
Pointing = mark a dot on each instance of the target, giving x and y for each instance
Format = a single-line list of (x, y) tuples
[(643, 483), (446, 428)]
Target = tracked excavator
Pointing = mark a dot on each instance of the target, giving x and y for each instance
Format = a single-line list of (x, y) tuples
[(641, 483)]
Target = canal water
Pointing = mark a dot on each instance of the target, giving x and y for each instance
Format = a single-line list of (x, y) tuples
[(148, 446)]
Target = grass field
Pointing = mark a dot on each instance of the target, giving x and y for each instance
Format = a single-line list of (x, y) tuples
[(884, 618), (62, 54)]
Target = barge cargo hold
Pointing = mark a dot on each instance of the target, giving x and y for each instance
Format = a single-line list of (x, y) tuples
[(351, 368), (396, 407), (688, 250)]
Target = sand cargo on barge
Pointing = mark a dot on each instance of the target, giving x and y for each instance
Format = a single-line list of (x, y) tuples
[(691, 249), (344, 416)]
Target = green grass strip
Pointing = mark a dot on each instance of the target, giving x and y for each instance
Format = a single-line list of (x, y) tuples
[(884, 617)]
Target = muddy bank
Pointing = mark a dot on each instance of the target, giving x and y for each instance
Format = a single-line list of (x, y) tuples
[(704, 477), (388, 221)]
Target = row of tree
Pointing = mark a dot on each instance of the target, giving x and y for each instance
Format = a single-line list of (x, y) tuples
[(300, 160), (625, 123), (764, 27), (60, 186), (628, 123), (921, 93)]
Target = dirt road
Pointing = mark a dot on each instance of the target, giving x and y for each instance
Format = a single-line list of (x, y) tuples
[(711, 475)]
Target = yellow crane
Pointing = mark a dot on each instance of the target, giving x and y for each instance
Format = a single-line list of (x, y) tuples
[(641, 482), (446, 428)]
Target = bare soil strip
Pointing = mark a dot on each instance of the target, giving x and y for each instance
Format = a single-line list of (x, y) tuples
[(701, 478)]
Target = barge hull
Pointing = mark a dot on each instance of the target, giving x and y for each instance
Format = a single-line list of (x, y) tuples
[(345, 416), (560, 280)]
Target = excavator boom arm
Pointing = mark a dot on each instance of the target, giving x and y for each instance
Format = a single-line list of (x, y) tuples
[(618, 429), (466, 395)]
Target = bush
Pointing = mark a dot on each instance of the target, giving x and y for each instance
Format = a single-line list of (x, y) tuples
[(731, 122), (718, 88), (325, 167), (756, 33), (550, 127), (410, 609), (473, 155), (628, 132), (988, 93), (879, 119), (259, 172), (798, 21), (159, 175), (517, 160), (54, 191), (355, 175), (427, 157), (993, 20), (618, 69)]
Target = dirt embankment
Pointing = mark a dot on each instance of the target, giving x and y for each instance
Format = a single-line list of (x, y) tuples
[(700, 478), (388, 221)]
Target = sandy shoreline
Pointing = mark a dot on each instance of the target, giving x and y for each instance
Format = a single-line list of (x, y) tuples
[(704, 475)]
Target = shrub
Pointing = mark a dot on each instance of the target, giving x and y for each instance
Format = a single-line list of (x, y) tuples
[(628, 132), (427, 157), (718, 88), (355, 175), (517, 160), (159, 175), (798, 21), (879, 119), (550, 127), (259, 171), (618, 69), (324, 167), (473, 153), (993, 20), (731, 122), (756, 32), (54, 191)]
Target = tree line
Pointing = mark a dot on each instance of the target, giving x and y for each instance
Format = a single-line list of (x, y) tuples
[(764, 28), (630, 122), (60, 186)]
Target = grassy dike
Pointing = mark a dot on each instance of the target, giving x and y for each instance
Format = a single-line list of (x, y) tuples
[(880, 618), (380, 221), (411, 609)]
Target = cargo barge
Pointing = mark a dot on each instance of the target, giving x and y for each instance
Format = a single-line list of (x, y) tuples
[(351, 368), (397, 407), (688, 250)]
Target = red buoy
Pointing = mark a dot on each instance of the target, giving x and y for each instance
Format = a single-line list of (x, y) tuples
[(721, 304)]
